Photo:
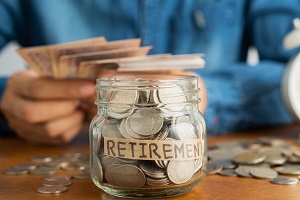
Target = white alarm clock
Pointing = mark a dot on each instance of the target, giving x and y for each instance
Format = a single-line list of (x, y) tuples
[(290, 86)]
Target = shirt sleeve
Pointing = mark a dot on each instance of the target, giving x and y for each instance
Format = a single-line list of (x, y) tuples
[(243, 97)]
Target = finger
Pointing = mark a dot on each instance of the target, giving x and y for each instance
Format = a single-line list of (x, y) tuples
[(60, 126), (48, 133), (38, 111), (69, 135), (27, 84)]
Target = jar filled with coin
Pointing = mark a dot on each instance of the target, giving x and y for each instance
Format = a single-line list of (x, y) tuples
[(148, 138)]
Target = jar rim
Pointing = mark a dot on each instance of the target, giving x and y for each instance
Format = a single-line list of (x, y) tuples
[(140, 80)]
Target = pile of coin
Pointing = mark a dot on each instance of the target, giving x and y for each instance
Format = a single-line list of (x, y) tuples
[(148, 113), (54, 183), (266, 158), (136, 174)]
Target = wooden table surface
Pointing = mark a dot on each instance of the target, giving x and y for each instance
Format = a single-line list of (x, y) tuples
[(213, 187)]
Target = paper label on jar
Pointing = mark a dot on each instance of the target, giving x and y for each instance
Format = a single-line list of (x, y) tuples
[(153, 149)]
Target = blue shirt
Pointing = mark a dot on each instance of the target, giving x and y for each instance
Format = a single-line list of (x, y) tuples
[(239, 96)]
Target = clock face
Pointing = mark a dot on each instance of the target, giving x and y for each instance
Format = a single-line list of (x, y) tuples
[(291, 87)]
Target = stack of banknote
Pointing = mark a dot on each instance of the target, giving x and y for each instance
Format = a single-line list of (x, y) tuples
[(88, 58)]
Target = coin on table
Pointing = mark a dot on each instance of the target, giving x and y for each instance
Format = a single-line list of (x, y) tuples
[(249, 158), (129, 176), (284, 180), (15, 171), (57, 182), (275, 159), (71, 166), (41, 171), (55, 177), (41, 158), (57, 189), (226, 164), (261, 172), (213, 168), (288, 169), (25, 166), (83, 175), (227, 172), (244, 171), (180, 171)]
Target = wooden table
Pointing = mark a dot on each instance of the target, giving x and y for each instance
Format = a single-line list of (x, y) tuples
[(213, 187)]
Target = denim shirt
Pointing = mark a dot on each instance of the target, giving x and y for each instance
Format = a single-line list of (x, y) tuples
[(239, 96)]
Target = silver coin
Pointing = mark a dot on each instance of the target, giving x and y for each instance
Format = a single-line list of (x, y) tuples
[(132, 132), (56, 163), (275, 159), (55, 177), (123, 129), (72, 167), (41, 158), (63, 182), (161, 135), (111, 130), (152, 170), (271, 140), (41, 171), (183, 131), (226, 164), (213, 168), (263, 173), (227, 172), (244, 171), (180, 171), (25, 166), (249, 158), (288, 169), (120, 104), (170, 95), (110, 174), (57, 189), (146, 122), (15, 171), (129, 176), (284, 181), (82, 175), (108, 161), (182, 119)]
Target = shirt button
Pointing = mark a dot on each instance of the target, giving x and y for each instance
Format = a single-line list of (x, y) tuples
[(199, 19)]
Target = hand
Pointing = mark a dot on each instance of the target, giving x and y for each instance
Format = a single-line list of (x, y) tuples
[(42, 110)]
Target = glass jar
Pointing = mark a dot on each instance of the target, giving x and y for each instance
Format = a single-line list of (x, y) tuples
[(148, 138)]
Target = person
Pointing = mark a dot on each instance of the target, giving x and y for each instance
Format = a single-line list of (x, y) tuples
[(238, 96)]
